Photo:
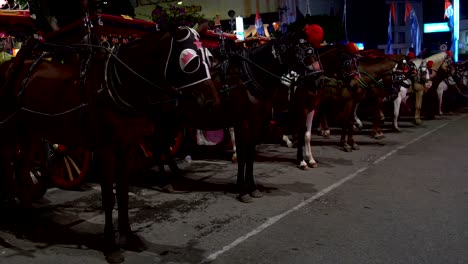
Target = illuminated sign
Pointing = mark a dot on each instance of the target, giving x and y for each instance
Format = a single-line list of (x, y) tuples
[(360, 46), (436, 27), (240, 28)]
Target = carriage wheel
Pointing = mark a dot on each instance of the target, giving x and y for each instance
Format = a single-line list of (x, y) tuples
[(37, 174), (68, 166), (37, 179)]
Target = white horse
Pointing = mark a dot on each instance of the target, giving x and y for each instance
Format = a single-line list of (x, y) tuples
[(419, 84), (443, 67), (441, 88)]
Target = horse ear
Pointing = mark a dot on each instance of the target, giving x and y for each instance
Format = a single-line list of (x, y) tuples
[(180, 33), (203, 28)]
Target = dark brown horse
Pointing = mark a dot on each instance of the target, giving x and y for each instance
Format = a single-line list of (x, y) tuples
[(103, 109), (248, 80)]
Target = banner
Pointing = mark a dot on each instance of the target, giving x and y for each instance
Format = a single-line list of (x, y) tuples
[(259, 24), (415, 31), (391, 14)]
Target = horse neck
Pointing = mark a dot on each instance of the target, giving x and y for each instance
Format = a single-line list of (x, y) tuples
[(330, 61), (377, 68), (147, 57), (142, 62)]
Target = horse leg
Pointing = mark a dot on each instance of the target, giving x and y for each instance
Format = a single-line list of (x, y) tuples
[(241, 148), (127, 238), (233, 140), (105, 160), (350, 126), (376, 130), (417, 111), (7, 153), (29, 146), (249, 176), (325, 130), (287, 141), (356, 117), (440, 94), (301, 130), (307, 139), (396, 107)]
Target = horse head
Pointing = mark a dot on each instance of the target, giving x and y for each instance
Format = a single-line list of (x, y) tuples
[(348, 56), (188, 67), (423, 74)]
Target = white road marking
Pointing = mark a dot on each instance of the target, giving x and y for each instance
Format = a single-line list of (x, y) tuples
[(271, 221)]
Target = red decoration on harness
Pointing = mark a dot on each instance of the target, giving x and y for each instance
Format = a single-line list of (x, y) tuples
[(411, 55), (449, 53), (352, 48), (314, 34), (430, 64)]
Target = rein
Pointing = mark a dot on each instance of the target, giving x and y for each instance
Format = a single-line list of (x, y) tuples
[(111, 88), (364, 84)]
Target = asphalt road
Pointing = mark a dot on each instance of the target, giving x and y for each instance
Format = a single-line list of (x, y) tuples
[(402, 199)]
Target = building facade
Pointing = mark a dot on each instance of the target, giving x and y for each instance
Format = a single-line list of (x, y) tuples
[(401, 30), (246, 8)]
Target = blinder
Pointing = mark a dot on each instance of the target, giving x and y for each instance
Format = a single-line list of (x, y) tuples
[(188, 62)]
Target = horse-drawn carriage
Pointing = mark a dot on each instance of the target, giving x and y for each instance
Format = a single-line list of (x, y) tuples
[(59, 165), (89, 90)]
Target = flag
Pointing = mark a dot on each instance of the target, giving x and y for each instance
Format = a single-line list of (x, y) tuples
[(447, 8), (259, 24), (415, 33), (389, 30), (393, 10), (449, 13), (408, 10), (287, 13)]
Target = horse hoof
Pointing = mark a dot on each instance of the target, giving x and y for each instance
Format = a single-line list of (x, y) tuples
[(303, 167), (132, 242), (313, 165), (115, 257), (234, 158), (256, 194), (347, 148), (245, 198), (168, 188), (378, 136), (355, 147), (418, 122)]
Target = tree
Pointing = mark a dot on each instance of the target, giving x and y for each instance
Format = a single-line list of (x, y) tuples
[(116, 7), (176, 15)]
